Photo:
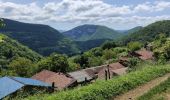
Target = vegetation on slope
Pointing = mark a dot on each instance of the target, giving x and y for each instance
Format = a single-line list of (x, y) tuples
[(41, 38), (156, 92), (149, 32), (12, 50), (102, 90), (92, 32)]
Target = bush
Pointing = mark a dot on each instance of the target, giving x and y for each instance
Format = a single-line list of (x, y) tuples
[(104, 90), (108, 45), (133, 46)]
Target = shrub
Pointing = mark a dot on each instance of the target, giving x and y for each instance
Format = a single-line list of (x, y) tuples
[(133, 46)]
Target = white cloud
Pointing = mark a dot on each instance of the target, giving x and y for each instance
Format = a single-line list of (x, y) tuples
[(83, 11), (152, 7)]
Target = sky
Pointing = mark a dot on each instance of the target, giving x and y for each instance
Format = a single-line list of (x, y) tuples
[(67, 14)]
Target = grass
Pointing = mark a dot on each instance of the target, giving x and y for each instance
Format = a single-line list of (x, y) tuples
[(157, 93), (1, 38), (104, 90)]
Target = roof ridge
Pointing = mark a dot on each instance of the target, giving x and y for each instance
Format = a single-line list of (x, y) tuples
[(16, 80)]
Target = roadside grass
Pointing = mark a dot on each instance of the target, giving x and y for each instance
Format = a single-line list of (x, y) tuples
[(158, 92), (105, 90)]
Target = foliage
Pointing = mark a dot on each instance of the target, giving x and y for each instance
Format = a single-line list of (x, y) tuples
[(40, 38), (163, 87), (55, 62), (133, 46), (22, 67), (108, 45), (92, 32), (10, 51), (104, 90), (148, 33), (109, 54), (161, 48), (133, 63)]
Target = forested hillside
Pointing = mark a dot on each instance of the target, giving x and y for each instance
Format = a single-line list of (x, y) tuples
[(149, 32), (11, 50), (92, 32), (41, 38)]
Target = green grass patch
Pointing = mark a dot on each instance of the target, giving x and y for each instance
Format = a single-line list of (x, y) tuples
[(104, 90), (1, 38), (156, 92)]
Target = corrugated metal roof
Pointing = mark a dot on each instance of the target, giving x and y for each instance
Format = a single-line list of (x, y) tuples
[(29, 81), (8, 86), (80, 76)]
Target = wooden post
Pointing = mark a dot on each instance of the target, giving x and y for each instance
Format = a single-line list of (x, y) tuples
[(53, 86), (108, 71), (106, 75)]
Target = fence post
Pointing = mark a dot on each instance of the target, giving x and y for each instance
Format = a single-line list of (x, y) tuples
[(106, 75)]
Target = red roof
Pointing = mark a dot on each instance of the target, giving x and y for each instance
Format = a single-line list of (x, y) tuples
[(61, 80), (120, 71), (113, 66), (145, 54)]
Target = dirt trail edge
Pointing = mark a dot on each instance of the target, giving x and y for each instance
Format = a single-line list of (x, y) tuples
[(140, 90)]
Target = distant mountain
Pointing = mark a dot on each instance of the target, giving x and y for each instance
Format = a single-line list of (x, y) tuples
[(135, 29), (149, 32), (61, 31), (41, 38), (87, 45), (92, 32), (11, 49)]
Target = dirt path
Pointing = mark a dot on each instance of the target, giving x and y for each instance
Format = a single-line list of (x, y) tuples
[(139, 91)]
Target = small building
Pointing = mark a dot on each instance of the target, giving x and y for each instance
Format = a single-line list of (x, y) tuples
[(124, 61), (119, 72), (82, 76), (60, 80), (10, 85), (110, 70), (145, 54)]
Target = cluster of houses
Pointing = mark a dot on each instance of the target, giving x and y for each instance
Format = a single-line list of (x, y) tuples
[(58, 81)]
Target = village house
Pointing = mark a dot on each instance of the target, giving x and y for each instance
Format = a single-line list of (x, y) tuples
[(82, 76), (142, 54), (145, 54), (111, 70), (11, 85), (60, 80)]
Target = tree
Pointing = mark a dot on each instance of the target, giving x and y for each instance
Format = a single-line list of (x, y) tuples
[(109, 54), (82, 60), (133, 46), (55, 62), (21, 66), (108, 45)]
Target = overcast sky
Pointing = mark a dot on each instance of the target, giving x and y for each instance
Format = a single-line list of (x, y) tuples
[(66, 14)]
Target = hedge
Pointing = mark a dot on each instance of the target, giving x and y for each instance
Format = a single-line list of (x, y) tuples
[(105, 90)]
